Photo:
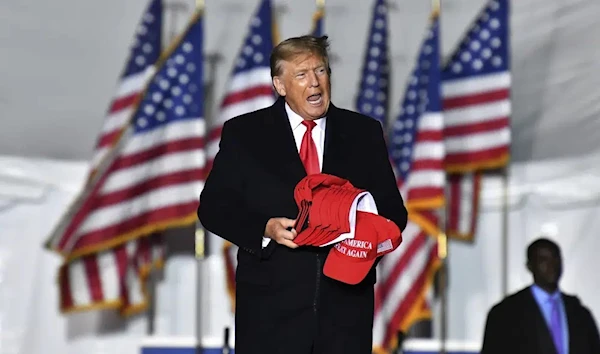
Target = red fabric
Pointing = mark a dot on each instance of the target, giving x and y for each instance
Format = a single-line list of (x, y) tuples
[(308, 150)]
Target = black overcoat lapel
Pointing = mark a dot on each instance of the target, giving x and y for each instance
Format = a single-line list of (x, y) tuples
[(279, 148)]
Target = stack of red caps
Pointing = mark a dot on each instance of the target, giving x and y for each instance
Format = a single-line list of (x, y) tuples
[(333, 211)]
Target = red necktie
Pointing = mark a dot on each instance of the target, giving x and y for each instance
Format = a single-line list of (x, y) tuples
[(308, 150)]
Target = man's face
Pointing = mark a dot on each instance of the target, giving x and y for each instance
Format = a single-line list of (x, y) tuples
[(546, 267), (304, 82)]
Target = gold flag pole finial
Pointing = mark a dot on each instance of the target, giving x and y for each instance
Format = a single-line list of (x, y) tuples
[(435, 8), (442, 246), (320, 4), (199, 4)]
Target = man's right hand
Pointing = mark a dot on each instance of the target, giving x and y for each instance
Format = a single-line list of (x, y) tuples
[(277, 230)]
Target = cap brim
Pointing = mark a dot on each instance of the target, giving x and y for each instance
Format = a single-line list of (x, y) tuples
[(338, 267)]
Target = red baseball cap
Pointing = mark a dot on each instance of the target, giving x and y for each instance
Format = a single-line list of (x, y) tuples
[(318, 221), (350, 260)]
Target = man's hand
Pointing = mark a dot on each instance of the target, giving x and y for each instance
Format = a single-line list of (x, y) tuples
[(277, 230)]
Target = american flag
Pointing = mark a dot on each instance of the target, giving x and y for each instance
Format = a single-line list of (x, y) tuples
[(417, 142), (476, 90), (417, 151), (91, 281), (249, 89), (373, 92), (477, 108), (463, 205), (318, 28), (144, 52), (149, 182)]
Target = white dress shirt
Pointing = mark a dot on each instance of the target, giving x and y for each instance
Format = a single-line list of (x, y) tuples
[(318, 135)]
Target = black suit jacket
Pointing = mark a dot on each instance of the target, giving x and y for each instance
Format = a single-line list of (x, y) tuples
[(516, 325), (284, 303)]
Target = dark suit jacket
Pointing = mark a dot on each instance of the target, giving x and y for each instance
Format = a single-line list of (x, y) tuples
[(516, 325), (284, 303)]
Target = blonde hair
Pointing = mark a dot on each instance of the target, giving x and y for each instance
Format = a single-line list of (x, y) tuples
[(292, 47)]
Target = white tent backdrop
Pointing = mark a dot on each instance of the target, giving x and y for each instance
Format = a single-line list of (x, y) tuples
[(561, 198), (59, 65)]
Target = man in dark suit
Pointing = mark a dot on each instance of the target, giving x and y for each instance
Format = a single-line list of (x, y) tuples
[(541, 319), (284, 303)]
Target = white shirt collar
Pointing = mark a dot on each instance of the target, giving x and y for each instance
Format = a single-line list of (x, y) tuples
[(296, 120)]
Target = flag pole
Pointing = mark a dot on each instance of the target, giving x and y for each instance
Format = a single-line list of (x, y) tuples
[(442, 243), (200, 251), (504, 246)]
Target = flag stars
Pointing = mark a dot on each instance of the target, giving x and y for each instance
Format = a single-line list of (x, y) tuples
[(184, 79), (148, 17), (486, 53), (149, 109), (164, 84), (456, 67), (258, 58), (256, 39), (147, 48), (161, 116), (187, 47), (190, 67), (142, 122)]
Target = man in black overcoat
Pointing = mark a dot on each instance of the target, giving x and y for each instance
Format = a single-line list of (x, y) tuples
[(284, 302), (541, 319)]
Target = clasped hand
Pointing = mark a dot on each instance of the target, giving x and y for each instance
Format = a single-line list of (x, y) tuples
[(277, 230)]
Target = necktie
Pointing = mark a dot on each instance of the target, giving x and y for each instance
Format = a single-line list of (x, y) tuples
[(556, 324), (308, 150)]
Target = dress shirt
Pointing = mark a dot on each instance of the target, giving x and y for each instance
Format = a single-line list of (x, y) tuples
[(543, 300), (318, 135)]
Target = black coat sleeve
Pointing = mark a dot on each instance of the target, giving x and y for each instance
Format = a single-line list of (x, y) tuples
[(593, 337), (494, 337), (384, 187), (222, 209)]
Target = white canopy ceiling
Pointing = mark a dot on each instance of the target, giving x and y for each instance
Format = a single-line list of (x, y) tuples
[(60, 61)]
